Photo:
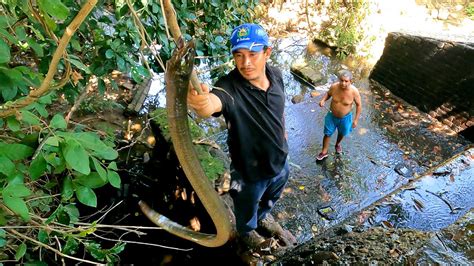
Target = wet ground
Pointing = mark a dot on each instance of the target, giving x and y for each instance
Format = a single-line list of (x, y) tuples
[(393, 145)]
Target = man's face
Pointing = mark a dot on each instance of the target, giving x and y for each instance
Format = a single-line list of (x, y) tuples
[(251, 65), (345, 82)]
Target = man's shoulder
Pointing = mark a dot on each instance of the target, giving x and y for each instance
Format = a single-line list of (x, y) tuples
[(226, 80), (354, 89), (273, 70)]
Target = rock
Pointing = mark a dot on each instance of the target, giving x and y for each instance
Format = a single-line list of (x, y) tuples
[(297, 99)]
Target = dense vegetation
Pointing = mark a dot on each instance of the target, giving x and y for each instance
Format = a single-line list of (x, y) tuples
[(52, 52)]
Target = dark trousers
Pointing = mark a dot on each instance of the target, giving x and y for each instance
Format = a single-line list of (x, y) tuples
[(253, 200)]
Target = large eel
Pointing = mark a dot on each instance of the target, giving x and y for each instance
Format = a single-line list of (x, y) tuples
[(177, 76)]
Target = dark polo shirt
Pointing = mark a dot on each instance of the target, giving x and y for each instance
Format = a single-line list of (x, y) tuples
[(255, 124)]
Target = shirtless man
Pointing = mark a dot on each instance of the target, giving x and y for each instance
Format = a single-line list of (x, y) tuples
[(343, 94)]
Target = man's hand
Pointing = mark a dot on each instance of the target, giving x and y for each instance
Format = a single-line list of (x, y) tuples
[(204, 104), (198, 101), (354, 124), (322, 102)]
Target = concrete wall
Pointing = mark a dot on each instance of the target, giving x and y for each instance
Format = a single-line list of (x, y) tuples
[(437, 76)]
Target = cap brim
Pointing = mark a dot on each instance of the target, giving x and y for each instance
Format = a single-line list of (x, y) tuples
[(251, 46)]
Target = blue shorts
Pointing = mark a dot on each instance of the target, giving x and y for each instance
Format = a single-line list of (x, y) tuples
[(343, 125)]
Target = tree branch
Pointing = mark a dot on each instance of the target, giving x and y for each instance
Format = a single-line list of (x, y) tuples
[(58, 54), (170, 15)]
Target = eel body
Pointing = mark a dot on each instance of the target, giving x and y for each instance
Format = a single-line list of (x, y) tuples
[(177, 77)]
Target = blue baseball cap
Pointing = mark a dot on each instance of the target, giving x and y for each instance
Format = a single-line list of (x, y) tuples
[(249, 36)]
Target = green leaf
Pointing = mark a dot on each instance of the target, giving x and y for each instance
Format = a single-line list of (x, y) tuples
[(8, 36), (73, 213), (8, 93), (52, 141), (58, 122), (92, 142), (3, 242), (114, 178), (76, 156), (20, 33), (93, 180), (7, 167), (40, 108), (6, 21), (76, 45), (121, 64), (16, 190), (98, 167), (15, 151), (80, 65), (71, 246), (109, 54), (18, 206), (101, 86), (67, 189), (29, 117), (118, 247), (112, 166), (4, 52), (86, 195), (43, 236), (38, 49), (13, 124), (20, 252), (37, 167), (54, 8)]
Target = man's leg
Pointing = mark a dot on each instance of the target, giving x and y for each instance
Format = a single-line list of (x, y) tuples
[(273, 191), (266, 222), (343, 129), (246, 197), (329, 128), (326, 140)]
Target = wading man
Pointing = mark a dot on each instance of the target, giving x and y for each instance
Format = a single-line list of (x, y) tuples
[(340, 117)]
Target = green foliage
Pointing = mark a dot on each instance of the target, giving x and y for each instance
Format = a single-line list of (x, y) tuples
[(343, 30), (48, 169), (213, 167), (470, 11)]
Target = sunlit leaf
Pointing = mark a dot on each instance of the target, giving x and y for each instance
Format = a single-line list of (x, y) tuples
[(16, 190), (18, 206), (54, 8), (52, 141)]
